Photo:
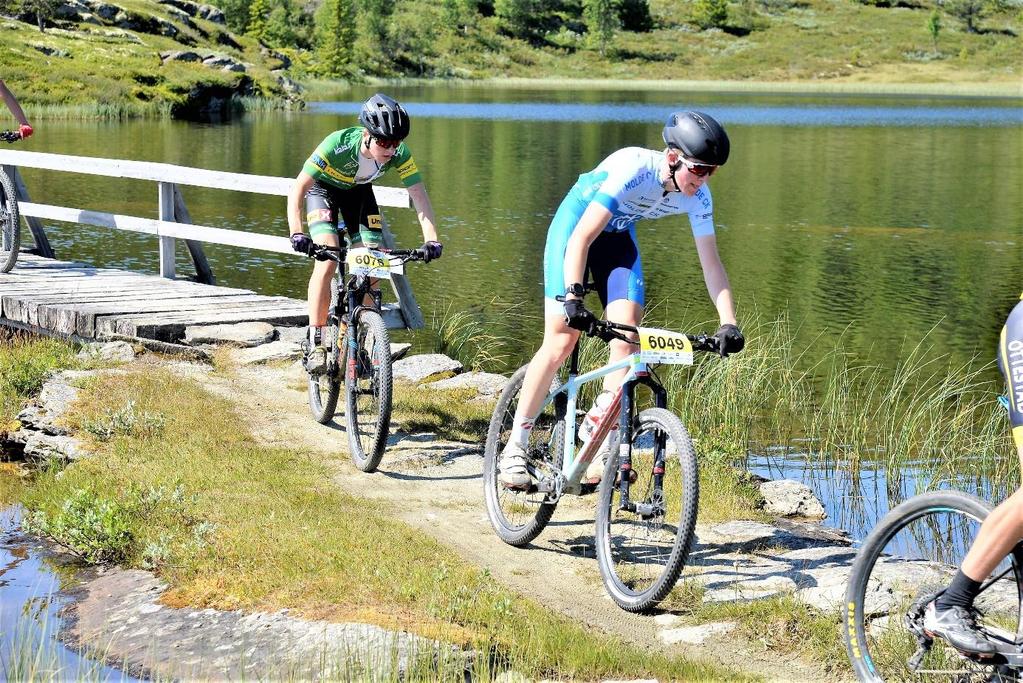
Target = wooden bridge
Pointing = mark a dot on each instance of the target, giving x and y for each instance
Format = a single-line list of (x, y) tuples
[(79, 301)]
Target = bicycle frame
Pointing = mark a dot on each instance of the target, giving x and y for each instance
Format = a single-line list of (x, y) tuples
[(565, 399)]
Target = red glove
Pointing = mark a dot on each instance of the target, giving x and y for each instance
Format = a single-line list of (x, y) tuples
[(25, 130)]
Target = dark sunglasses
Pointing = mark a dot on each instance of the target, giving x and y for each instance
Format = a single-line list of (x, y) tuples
[(387, 144), (699, 170)]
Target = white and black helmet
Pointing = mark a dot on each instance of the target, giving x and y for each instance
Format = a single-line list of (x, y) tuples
[(385, 118), (698, 136)]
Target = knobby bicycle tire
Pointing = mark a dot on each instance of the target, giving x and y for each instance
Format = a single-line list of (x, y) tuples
[(368, 374), (628, 544), (325, 389), (10, 232), (516, 532), (878, 640)]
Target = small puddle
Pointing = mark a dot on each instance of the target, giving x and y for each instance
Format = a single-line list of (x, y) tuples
[(32, 595)]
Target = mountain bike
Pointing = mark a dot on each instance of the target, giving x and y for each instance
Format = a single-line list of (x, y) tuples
[(10, 224), (357, 345), (906, 562), (646, 512)]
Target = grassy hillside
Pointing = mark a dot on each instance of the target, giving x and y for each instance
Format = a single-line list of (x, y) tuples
[(104, 59), (113, 66)]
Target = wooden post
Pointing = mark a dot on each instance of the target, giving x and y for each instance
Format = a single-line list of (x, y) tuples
[(203, 272), (166, 243), (402, 289), (42, 247)]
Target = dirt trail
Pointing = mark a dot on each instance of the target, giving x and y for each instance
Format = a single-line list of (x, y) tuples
[(437, 487)]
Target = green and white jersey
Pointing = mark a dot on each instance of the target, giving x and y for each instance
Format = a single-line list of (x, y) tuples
[(335, 162)]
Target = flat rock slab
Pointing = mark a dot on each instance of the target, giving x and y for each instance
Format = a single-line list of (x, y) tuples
[(485, 383), (239, 334), (119, 615), (695, 635), (120, 351), (418, 368), (269, 353)]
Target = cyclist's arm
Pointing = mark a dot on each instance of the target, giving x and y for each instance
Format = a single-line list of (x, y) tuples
[(716, 278), (12, 104), (302, 183), (424, 211), (592, 222)]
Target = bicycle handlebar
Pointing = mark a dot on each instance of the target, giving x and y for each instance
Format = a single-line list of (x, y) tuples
[(10, 135), (336, 254), (607, 330)]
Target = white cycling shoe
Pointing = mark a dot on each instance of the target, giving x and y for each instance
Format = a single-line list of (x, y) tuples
[(512, 465)]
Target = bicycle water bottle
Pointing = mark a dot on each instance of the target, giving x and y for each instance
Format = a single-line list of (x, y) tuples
[(595, 414)]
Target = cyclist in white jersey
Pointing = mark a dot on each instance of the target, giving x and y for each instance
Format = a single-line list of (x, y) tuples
[(594, 230)]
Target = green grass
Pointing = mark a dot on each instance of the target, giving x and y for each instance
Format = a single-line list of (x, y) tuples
[(24, 365), (231, 524), (454, 414)]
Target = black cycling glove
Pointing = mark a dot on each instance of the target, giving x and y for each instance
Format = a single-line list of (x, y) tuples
[(729, 339), (577, 317), (431, 251), (302, 243)]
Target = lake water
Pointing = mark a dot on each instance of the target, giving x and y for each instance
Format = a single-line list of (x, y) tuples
[(879, 221)]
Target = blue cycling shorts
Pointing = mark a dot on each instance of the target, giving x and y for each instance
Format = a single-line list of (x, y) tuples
[(613, 262), (1010, 362)]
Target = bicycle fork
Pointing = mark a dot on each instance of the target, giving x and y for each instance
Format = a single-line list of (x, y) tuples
[(653, 506)]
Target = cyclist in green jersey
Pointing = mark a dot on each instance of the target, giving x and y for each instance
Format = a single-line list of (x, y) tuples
[(336, 186)]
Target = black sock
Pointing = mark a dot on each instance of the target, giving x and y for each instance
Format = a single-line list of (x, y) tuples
[(960, 592)]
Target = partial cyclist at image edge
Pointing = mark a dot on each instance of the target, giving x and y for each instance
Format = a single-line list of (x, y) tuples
[(24, 128), (952, 614), (594, 233), (335, 185)]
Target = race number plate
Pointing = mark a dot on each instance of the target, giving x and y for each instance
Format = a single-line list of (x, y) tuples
[(372, 263), (662, 346)]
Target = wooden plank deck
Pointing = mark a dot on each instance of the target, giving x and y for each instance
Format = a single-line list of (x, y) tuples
[(81, 301)]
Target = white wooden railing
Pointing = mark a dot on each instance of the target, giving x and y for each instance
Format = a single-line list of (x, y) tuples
[(173, 223)]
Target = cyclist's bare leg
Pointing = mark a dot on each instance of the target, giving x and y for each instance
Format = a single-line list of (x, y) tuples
[(624, 312), (319, 283), (1002, 529), (558, 341)]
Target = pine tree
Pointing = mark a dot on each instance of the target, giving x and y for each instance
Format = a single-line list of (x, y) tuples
[(335, 22), (601, 17), (259, 11)]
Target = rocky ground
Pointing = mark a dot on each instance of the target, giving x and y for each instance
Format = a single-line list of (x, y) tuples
[(436, 486)]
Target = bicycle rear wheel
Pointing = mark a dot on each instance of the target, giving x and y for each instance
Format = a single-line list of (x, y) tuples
[(912, 554), (324, 389), (10, 232), (519, 516), (368, 389), (642, 552)]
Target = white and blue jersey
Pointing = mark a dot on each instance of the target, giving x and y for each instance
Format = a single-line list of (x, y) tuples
[(627, 183)]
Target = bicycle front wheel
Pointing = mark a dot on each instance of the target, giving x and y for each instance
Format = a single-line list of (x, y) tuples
[(10, 232), (643, 543), (324, 389), (911, 555), (518, 516), (368, 389)]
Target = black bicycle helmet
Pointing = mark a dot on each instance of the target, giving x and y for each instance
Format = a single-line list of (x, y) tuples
[(699, 136), (385, 118)]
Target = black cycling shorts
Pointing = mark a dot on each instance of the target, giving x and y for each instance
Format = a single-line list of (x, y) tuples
[(353, 213)]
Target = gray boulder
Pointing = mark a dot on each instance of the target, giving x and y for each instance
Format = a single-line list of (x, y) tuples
[(269, 353), (212, 14), (120, 351), (418, 368), (790, 498), (179, 56), (485, 383)]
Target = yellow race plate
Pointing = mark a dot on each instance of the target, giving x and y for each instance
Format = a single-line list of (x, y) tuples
[(372, 263), (663, 346)]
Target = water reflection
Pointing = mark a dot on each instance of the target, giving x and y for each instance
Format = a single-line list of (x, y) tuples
[(31, 600), (808, 115)]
